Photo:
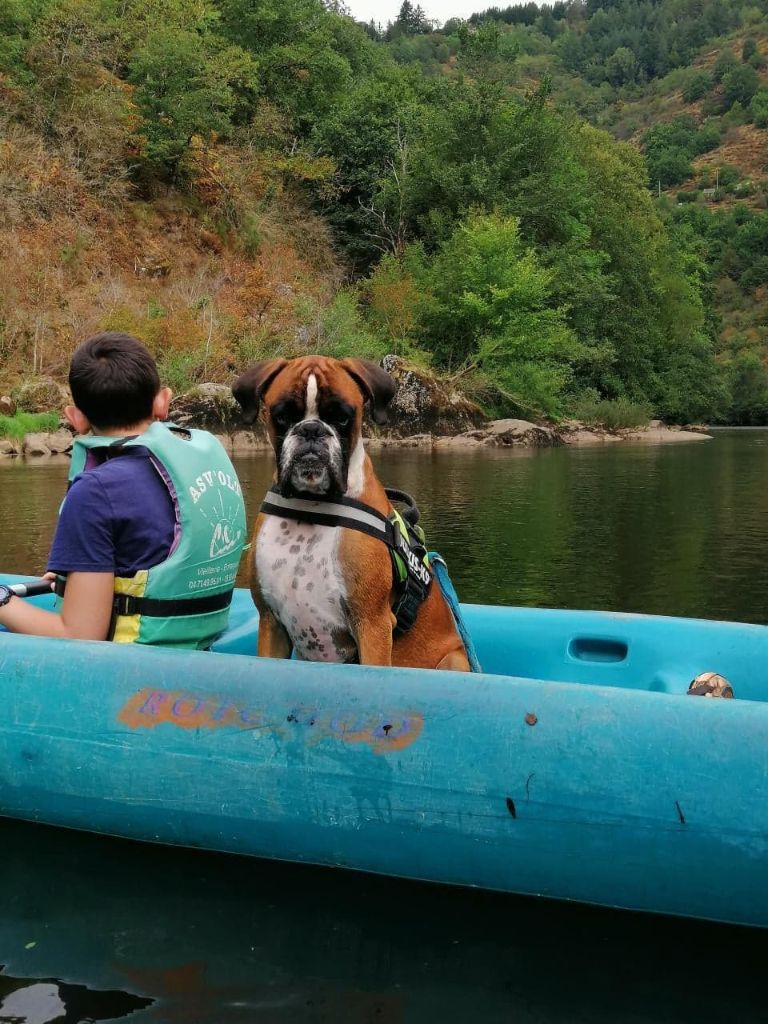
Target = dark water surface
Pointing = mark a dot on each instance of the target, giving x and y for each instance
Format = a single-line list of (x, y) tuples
[(677, 529), (94, 929)]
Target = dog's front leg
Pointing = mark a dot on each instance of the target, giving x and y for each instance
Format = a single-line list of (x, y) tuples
[(374, 640), (274, 641)]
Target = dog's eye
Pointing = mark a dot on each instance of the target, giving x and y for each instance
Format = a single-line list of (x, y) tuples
[(339, 417), (282, 417)]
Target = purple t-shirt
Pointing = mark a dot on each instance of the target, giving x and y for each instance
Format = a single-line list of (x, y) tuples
[(117, 517)]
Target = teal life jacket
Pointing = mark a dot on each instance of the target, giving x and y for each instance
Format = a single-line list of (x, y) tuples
[(184, 600)]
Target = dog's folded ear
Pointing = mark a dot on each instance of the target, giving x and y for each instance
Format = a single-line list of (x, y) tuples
[(376, 384), (249, 387)]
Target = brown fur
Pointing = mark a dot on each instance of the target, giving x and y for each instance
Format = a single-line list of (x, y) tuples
[(365, 563)]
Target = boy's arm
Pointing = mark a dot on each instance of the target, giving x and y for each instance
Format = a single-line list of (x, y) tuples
[(85, 613)]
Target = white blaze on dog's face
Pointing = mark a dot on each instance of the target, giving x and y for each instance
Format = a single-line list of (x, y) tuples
[(311, 460)]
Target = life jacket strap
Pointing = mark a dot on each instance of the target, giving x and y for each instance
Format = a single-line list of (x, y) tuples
[(128, 604)]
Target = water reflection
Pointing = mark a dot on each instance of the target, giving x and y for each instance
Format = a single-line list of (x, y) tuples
[(104, 927), (224, 940), (50, 1001), (674, 530)]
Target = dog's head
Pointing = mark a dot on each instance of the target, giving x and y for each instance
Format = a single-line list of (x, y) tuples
[(314, 409)]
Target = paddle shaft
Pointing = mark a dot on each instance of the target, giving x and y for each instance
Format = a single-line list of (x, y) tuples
[(34, 589)]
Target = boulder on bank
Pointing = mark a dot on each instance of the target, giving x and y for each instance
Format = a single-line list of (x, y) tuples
[(207, 407), (655, 432), (425, 404), (40, 444), (213, 407), (43, 394), (7, 406), (505, 433), (35, 445), (59, 442)]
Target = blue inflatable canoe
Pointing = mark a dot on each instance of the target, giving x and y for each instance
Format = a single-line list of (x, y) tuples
[(574, 767)]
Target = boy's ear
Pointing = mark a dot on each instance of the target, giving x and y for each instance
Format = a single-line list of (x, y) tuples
[(161, 404), (77, 419)]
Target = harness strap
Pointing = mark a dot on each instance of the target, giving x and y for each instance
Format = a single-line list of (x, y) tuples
[(127, 604), (341, 512), (410, 568)]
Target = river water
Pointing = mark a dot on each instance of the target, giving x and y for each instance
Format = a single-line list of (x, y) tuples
[(99, 929)]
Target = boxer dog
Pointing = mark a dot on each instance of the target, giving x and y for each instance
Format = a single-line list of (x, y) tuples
[(327, 591)]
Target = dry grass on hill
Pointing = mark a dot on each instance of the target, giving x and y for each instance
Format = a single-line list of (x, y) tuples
[(76, 261)]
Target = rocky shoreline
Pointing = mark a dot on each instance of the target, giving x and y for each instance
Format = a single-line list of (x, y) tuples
[(506, 433), (426, 413)]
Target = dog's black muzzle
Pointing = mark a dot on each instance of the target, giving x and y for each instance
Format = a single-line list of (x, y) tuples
[(312, 430)]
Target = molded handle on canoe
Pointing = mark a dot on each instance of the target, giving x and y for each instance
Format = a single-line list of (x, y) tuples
[(597, 648)]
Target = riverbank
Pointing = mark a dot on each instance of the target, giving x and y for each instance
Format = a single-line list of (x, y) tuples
[(426, 412), (513, 433), (497, 434), (506, 433)]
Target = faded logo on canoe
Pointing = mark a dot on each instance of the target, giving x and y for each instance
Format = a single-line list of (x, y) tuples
[(383, 733)]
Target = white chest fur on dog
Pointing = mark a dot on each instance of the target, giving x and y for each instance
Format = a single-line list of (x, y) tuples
[(298, 572)]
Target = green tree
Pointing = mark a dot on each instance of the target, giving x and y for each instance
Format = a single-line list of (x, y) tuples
[(622, 66), (740, 85), (749, 49), (189, 85), (669, 166), (490, 311), (758, 108), (411, 19), (748, 380), (725, 63), (697, 86)]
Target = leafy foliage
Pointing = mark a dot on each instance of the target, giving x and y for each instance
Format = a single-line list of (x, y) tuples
[(483, 225), (21, 423)]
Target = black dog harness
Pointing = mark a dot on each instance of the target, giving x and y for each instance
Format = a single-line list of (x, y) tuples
[(400, 532)]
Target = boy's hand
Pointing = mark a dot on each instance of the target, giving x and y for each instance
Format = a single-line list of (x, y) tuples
[(85, 612)]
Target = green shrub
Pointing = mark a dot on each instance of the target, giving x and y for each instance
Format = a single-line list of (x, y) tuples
[(740, 85), (688, 197), (729, 177), (749, 49), (758, 108), (611, 413), (336, 330), (181, 370), (697, 87), (15, 427), (724, 64)]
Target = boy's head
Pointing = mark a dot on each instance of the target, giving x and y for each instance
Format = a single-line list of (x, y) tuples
[(115, 384)]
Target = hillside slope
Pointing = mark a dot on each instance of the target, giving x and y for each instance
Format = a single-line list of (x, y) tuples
[(687, 84), (236, 179)]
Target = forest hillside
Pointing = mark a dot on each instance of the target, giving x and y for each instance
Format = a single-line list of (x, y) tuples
[(560, 226)]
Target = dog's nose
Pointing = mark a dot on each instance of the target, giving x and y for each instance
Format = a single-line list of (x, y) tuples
[(311, 430)]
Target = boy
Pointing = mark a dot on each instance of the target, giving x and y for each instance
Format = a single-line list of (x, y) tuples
[(150, 533)]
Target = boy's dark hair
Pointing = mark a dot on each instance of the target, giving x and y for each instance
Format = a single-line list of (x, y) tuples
[(113, 380)]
